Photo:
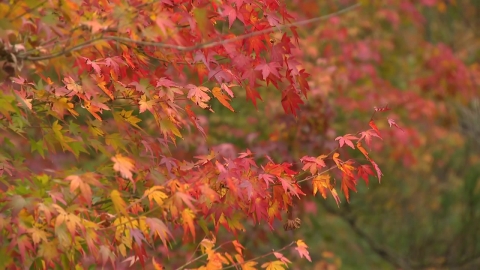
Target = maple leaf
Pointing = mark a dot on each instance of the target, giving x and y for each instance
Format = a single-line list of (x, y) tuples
[(348, 182), (272, 19), (269, 68), (282, 258), (238, 247), (227, 89), (118, 203), (302, 81), (130, 118), (146, 105), (157, 265), (367, 135), (187, 218), (155, 194), (255, 44), (268, 178), (363, 171), (94, 65), (346, 139), (364, 152), (377, 169), (38, 235), (48, 250), (224, 99), (302, 250), (164, 23), (382, 109), (198, 94), (291, 101), (158, 228), (275, 265), (61, 105), (229, 12), (92, 109), (312, 163), (72, 85), (335, 196), (392, 122), (102, 85), (321, 183), (250, 265), (77, 182), (372, 124), (124, 165), (337, 161), (252, 95)]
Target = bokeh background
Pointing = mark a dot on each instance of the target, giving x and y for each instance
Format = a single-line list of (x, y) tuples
[(421, 57)]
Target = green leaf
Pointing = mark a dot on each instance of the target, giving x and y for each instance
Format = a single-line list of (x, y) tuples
[(38, 146), (168, 126), (115, 140)]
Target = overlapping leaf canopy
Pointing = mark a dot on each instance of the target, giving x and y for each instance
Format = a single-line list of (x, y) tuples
[(97, 96)]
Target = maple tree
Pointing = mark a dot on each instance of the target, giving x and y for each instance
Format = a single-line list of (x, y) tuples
[(97, 101)]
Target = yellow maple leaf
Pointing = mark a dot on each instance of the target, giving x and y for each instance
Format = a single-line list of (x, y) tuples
[(275, 265), (146, 104), (320, 183), (188, 216), (48, 250), (154, 194), (124, 165), (249, 265), (118, 203)]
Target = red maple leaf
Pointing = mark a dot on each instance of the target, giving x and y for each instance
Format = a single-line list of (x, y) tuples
[(231, 13), (312, 163), (255, 44), (346, 139), (367, 135), (363, 171), (302, 250), (253, 95), (391, 122), (269, 68), (291, 101), (372, 124), (377, 169), (302, 81)]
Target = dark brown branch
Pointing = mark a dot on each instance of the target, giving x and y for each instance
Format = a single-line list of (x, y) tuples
[(205, 45)]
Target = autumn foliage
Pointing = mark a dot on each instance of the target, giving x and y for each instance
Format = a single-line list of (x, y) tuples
[(98, 99)]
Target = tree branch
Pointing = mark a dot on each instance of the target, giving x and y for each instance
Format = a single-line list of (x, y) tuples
[(205, 45)]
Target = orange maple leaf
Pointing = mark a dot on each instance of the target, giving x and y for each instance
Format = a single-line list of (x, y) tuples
[(124, 165), (224, 99)]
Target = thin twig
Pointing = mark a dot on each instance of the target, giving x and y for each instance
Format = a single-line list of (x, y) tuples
[(205, 45)]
